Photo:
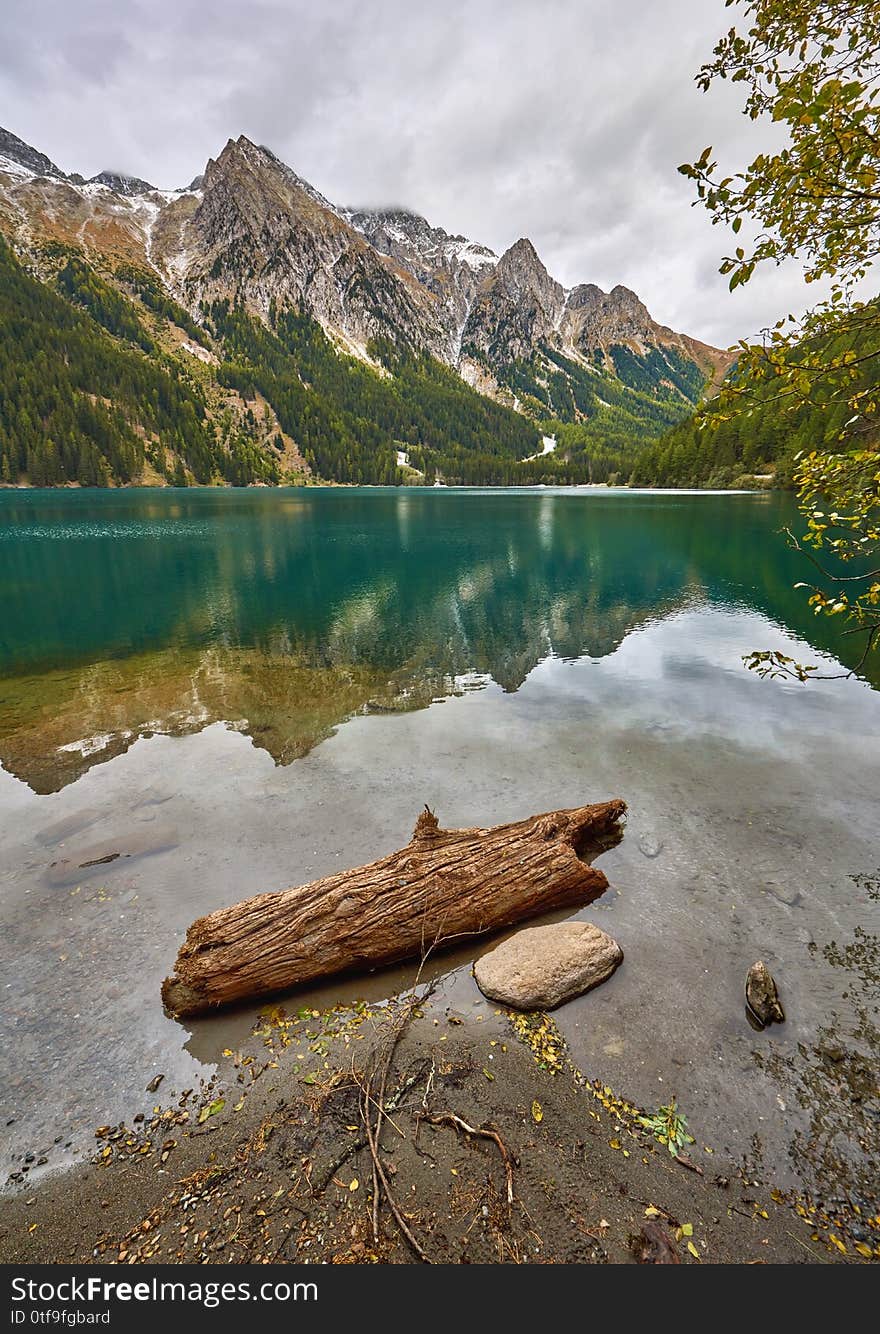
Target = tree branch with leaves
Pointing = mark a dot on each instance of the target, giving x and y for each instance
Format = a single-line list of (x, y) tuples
[(811, 68)]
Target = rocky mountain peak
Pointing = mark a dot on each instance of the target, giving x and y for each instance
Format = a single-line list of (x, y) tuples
[(121, 184), (584, 296), (261, 234), (520, 273), (598, 320), (517, 307), (411, 240), (243, 155), (16, 151), (251, 230), (522, 252)]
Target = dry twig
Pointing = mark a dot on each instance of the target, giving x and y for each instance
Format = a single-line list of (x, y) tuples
[(481, 1132)]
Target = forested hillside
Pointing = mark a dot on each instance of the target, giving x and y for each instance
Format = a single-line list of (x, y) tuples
[(350, 420), (762, 440), (105, 379), (95, 390), (89, 393)]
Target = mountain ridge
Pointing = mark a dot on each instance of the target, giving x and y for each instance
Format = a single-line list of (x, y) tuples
[(249, 233), (455, 270)]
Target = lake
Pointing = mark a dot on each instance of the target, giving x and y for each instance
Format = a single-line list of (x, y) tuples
[(209, 693)]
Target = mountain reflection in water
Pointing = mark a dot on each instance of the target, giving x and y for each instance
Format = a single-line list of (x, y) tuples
[(282, 613)]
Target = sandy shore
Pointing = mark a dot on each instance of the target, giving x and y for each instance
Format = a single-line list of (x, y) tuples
[(273, 1165)]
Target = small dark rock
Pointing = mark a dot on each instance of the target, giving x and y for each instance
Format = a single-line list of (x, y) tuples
[(763, 1006), (832, 1053), (654, 1246), (154, 1083)]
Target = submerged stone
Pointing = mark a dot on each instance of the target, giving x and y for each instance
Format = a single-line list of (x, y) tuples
[(763, 1005)]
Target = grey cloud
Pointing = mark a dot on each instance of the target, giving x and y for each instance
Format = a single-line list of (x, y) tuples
[(563, 120)]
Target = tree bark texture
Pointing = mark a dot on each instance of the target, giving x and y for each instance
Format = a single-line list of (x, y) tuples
[(444, 885)]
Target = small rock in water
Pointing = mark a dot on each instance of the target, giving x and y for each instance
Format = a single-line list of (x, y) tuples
[(763, 1006), (650, 845), (154, 1083), (543, 966)]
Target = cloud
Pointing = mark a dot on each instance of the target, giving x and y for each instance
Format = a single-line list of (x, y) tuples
[(563, 121)]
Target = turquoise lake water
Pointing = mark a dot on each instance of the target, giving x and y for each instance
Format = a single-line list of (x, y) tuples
[(240, 690)]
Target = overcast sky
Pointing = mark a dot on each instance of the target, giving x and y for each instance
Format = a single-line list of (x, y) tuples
[(561, 120)]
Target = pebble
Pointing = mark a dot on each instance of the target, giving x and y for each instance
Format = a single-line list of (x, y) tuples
[(650, 845)]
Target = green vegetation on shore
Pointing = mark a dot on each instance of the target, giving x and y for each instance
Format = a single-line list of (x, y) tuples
[(81, 401), (763, 435)]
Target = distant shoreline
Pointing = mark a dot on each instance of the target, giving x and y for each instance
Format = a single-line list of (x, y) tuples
[(553, 487)]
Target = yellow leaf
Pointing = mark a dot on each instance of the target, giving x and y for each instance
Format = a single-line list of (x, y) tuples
[(537, 1111), (835, 1241), (651, 1212), (615, 1143), (687, 1229), (693, 1250), (353, 1184), (863, 1250)]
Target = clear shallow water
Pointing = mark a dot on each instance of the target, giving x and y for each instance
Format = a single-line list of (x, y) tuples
[(241, 690)]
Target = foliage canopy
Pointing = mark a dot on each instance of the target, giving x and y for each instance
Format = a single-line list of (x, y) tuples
[(812, 69)]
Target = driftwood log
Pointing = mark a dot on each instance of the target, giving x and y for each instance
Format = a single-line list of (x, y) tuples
[(445, 884)]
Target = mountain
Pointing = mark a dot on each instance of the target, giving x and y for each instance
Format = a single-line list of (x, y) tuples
[(251, 282), (451, 267), (17, 157)]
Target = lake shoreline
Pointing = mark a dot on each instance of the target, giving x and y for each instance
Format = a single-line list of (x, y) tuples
[(270, 1164), (403, 486)]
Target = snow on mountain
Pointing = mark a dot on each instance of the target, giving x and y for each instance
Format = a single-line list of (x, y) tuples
[(252, 230)]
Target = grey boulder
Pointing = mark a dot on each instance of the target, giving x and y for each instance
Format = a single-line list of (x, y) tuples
[(543, 966)]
